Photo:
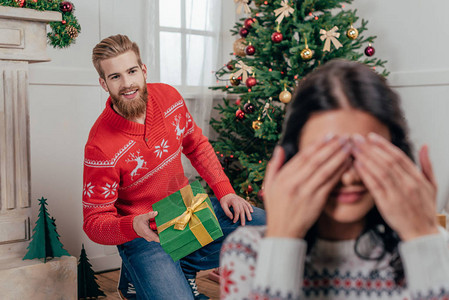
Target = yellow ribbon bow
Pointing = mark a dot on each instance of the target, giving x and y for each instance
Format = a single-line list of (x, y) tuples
[(196, 205), (193, 205), (244, 70), (244, 4), (330, 36), (283, 11)]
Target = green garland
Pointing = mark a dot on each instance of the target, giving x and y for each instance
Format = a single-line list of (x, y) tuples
[(63, 33)]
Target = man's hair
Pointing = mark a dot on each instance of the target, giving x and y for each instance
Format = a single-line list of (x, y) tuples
[(111, 47)]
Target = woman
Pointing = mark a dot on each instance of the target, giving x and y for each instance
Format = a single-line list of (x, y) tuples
[(349, 215)]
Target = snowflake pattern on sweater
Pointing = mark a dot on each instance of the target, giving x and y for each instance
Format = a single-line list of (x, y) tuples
[(256, 268), (129, 166)]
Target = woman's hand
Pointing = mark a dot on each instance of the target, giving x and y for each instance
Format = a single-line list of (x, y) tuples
[(404, 195), (295, 193)]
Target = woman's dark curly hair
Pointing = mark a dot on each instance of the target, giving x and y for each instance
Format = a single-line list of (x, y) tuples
[(340, 84)]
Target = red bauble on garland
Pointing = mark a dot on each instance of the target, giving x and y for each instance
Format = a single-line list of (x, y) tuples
[(66, 6), (369, 51), (237, 102), (250, 82), (276, 37), (250, 50), (20, 2), (243, 32), (249, 23), (250, 189), (240, 114)]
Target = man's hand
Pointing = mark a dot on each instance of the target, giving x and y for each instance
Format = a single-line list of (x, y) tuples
[(240, 207), (141, 225)]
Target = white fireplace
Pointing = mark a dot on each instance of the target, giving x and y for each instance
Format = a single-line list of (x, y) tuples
[(23, 40)]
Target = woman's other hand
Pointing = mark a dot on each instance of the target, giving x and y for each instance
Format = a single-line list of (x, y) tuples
[(295, 193), (404, 195)]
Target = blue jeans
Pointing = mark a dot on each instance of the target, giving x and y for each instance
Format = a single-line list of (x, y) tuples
[(156, 276)]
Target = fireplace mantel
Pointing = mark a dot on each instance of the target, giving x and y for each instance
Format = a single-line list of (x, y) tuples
[(23, 33)]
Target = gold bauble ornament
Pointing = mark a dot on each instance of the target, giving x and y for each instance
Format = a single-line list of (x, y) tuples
[(306, 53), (352, 33), (239, 47), (257, 124), (285, 96), (234, 80)]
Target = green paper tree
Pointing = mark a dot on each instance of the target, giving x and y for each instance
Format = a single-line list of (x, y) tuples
[(87, 285), (45, 242), (278, 43)]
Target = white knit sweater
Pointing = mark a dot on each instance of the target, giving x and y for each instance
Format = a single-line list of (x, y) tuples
[(254, 267)]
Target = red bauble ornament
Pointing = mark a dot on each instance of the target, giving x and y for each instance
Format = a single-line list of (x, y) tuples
[(249, 189), (66, 6), (249, 23), (230, 66), (237, 102), (243, 32), (276, 37), (240, 114), (250, 50), (63, 21), (249, 108), (369, 51), (250, 82), (260, 195), (20, 2)]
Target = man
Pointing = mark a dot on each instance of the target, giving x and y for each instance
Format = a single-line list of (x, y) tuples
[(132, 160)]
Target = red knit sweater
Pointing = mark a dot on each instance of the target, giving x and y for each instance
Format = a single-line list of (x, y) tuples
[(129, 166)]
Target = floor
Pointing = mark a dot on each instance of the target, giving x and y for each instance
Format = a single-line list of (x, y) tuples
[(108, 284)]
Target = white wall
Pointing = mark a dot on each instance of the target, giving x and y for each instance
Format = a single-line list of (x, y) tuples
[(65, 98), (411, 35)]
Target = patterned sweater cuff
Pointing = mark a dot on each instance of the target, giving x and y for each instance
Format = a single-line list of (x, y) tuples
[(222, 188), (426, 262), (126, 227), (280, 266)]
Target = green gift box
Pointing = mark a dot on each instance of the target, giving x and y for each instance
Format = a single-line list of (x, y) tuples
[(186, 221)]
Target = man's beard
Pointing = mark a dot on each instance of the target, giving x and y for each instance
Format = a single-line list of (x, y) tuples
[(131, 109)]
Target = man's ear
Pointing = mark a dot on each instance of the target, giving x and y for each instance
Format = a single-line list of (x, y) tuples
[(103, 84), (144, 70)]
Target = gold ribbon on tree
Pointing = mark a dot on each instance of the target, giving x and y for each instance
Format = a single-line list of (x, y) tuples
[(266, 107), (244, 4), (193, 205), (330, 36), (283, 11), (244, 70)]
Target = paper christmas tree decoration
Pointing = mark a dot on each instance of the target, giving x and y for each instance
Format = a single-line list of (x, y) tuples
[(87, 285), (45, 242)]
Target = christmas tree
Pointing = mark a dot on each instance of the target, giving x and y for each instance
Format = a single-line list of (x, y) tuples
[(45, 242), (87, 286), (278, 43)]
